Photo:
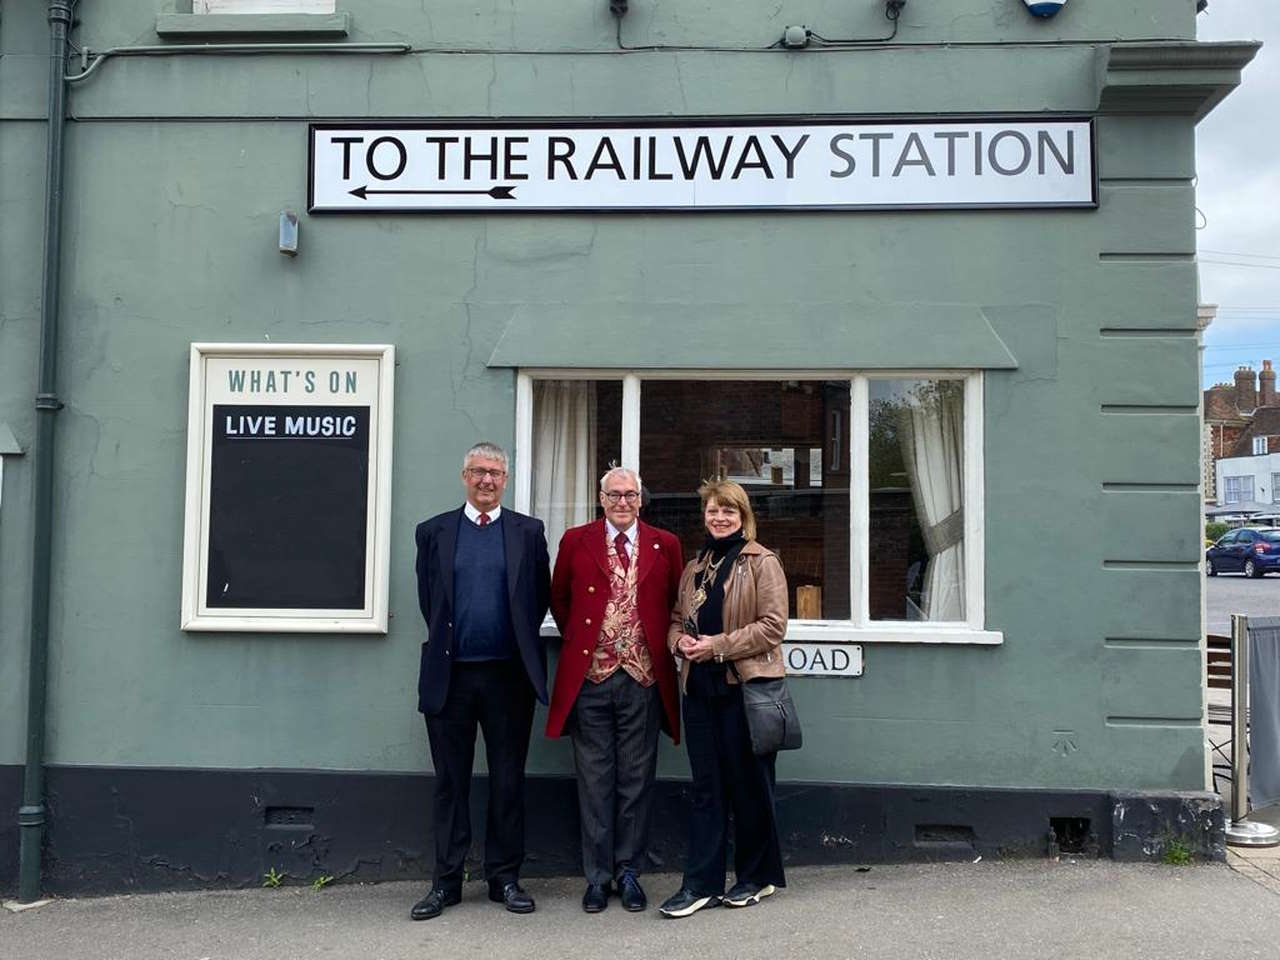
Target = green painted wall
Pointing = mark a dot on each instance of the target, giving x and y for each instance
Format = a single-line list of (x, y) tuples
[(177, 169)]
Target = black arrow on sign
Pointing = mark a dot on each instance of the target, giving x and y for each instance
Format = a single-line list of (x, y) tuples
[(497, 193)]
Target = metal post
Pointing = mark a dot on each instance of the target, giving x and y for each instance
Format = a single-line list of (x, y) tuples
[(1239, 717), (1242, 832)]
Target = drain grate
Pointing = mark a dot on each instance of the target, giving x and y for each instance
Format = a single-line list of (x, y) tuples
[(1070, 834)]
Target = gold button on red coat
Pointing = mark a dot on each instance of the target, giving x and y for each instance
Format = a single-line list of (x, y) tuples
[(591, 589), (588, 621), (586, 653)]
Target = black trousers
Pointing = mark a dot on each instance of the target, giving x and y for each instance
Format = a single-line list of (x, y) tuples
[(496, 696), (729, 778), (614, 726)]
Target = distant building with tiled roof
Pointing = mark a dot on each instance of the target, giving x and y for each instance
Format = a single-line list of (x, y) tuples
[(1241, 419)]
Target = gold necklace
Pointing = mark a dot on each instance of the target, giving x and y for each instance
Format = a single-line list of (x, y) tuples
[(705, 577)]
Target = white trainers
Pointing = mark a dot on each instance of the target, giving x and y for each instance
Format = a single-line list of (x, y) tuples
[(745, 894)]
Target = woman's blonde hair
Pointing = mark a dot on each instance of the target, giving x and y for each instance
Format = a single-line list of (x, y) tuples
[(730, 494)]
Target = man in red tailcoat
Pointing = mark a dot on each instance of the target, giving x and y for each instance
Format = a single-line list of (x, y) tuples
[(614, 584)]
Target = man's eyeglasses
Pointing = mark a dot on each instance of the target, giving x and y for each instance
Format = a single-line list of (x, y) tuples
[(479, 473), (631, 496)]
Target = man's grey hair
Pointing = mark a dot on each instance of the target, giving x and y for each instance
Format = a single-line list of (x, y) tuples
[(487, 450), (620, 472)]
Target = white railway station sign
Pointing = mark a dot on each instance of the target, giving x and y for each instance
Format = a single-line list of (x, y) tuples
[(721, 164)]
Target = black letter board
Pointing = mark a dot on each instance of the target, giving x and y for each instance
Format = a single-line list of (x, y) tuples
[(288, 505)]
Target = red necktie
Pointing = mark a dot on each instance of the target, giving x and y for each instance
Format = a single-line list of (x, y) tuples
[(620, 545), (483, 519)]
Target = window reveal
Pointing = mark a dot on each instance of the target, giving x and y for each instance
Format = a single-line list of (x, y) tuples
[(774, 438), (789, 443), (915, 464), (576, 438)]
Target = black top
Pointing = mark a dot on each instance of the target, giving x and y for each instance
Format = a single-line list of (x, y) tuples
[(706, 679)]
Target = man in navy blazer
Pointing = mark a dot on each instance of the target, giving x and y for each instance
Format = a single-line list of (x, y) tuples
[(483, 586)]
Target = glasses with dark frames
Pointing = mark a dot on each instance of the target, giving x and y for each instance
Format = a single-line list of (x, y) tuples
[(631, 496)]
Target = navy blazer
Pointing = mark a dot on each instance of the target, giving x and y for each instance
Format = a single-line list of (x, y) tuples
[(528, 589)]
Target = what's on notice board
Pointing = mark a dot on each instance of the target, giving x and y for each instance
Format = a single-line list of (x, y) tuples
[(288, 488)]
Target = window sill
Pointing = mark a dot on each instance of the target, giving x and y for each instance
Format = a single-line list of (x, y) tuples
[(818, 631), (826, 631), (181, 26)]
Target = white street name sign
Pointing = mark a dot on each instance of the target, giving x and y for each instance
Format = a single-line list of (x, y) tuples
[(823, 659)]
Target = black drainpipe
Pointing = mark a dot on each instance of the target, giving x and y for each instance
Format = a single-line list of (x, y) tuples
[(31, 815)]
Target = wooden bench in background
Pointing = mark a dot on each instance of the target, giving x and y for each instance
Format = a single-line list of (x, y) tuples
[(1217, 671)]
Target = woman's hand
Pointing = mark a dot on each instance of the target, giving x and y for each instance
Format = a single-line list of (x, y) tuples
[(696, 649)]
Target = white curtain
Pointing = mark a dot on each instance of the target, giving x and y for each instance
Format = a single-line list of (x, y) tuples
[(932, 431), (564, 455)]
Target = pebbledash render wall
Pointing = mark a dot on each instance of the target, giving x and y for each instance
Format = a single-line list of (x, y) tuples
[(165, 747)]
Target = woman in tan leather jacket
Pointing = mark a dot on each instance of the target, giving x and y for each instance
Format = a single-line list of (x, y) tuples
[(727, 627)]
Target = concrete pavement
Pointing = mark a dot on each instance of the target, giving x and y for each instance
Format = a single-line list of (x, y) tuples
[(958, 911)]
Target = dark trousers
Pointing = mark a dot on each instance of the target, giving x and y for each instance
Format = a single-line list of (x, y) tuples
[(495, 695), (614, 727), (728, 777)]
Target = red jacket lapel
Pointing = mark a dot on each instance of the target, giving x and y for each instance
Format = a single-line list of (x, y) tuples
[(646, 555), (596, 546)]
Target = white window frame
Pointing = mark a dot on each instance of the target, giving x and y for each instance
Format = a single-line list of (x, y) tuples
[(1259, 446), (8, 448), (1275, 487), (860, 628), (1228, 486)]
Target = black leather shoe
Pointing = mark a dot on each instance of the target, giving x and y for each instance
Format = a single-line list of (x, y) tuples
[(433, 904), (631, 893), (596, 898), (513, 896)]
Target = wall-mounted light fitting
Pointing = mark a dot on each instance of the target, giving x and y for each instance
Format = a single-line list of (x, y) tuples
[(1045, 8), (289, 233), (795, 37), (618, 7)]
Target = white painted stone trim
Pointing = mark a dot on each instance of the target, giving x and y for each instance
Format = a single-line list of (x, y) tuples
[(374, 619)]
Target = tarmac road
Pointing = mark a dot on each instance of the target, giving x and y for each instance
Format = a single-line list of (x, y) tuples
[(1230, 593), (1021, 910)]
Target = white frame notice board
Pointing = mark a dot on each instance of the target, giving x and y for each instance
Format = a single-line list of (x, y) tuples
[(360, 376)]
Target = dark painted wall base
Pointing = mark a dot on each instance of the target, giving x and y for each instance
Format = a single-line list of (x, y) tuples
[(114, 829), (10, 800)]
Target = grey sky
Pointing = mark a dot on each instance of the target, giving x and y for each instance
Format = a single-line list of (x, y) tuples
[(1238, 160)]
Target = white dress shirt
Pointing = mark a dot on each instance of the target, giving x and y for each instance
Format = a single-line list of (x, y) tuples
[(474, 515), (631, 532)]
